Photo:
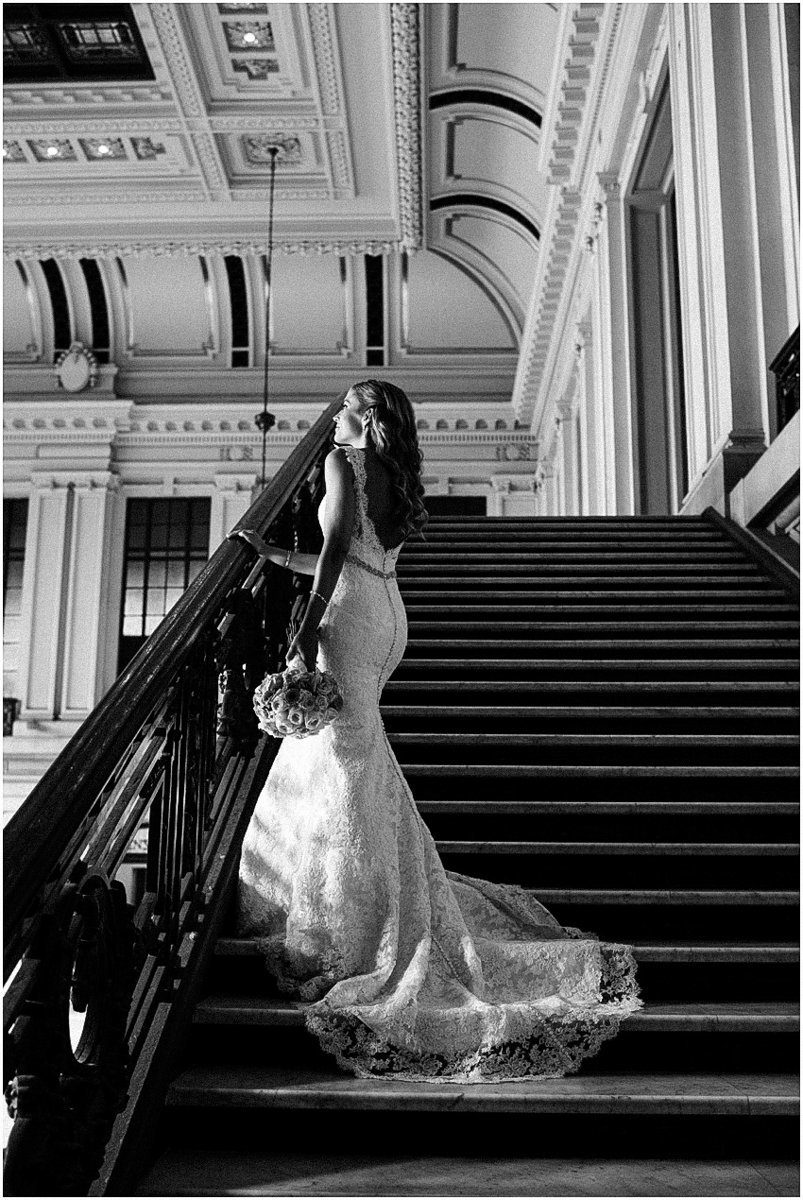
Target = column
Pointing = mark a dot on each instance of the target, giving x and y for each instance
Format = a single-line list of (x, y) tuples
[(719, 249), (614, 333), (43, 594), (89, 618)]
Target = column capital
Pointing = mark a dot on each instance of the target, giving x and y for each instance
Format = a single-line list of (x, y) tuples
[(75, 480), (609, 186), (234, 483)]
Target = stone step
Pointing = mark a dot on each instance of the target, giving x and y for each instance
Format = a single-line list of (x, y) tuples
[(742, 741), (631, 521), (594, 771), (781, 1017), (732, 687), (676, 612), (686, 952), (622, 808), (624, 629), (261, 1086), (498, 556), (563, 580), (429, 713), (588, 571), (557, 644), (613, 539), (640, 849), (733, 666), (342, 1169), (576, 600)]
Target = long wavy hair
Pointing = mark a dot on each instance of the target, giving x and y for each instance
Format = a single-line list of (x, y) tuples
[(392, 431)]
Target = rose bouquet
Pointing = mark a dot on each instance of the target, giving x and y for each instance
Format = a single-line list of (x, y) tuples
[(296, 702)]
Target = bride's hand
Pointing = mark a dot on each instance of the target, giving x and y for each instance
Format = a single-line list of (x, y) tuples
[(254, 540), (304, 644)]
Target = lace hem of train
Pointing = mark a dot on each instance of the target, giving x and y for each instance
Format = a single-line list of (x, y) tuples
[(554, 1045)]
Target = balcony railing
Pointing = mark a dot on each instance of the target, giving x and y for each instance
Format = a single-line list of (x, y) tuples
[(786, 369), (171, 760)]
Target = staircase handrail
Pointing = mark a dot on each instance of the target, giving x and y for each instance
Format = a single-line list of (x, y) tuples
[(786, 369), (37, 833)]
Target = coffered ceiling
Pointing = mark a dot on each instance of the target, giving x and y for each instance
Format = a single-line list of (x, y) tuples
[(140, 137)]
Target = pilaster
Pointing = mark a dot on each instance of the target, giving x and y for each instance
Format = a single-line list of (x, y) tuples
[(47, 554), (88, 577), (231, 500)]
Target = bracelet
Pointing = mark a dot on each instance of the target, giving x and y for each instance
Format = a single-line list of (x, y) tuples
[(320, 597), (287, 560)]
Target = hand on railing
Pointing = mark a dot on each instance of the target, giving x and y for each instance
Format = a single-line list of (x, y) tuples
[(264, 549)]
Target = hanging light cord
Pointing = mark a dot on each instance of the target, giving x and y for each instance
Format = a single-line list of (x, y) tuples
[(265, 420)]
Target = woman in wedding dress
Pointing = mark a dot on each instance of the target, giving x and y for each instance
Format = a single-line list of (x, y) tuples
[(412, 972)]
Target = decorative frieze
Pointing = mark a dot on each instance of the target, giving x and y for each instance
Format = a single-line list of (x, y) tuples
[(405, 32)]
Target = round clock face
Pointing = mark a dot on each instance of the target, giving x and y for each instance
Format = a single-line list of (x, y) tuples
[(75, 372)]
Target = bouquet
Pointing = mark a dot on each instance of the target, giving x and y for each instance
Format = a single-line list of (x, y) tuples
[(296, 702)]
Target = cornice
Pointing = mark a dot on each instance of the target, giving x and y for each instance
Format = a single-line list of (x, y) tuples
[(405, 23), (209, 247), (587, 53)]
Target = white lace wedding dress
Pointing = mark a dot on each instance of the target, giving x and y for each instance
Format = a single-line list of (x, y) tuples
[(415, 972)]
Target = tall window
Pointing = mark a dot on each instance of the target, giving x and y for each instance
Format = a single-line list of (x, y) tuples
[(15, 523), (166, 545)]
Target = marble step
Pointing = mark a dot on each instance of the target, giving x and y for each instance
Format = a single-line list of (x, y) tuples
[(631, 521), (686, 568), (619, 848), (567, 644), (581, 712), (597, 771), (736, 667), (243, 1086), (781, 1017), (625, 600), (732, 687), (496, 555), (688, 612), (551, 580), (342, 1169), (625, 629), (742, 741), (622, 808), (688, 951)]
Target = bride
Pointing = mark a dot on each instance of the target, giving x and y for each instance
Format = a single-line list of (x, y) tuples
[(412, 972)]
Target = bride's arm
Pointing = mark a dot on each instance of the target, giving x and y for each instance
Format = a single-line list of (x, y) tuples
[(337, 528)]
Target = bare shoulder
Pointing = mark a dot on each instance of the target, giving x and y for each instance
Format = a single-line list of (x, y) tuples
[(336, 459), (336, 466)]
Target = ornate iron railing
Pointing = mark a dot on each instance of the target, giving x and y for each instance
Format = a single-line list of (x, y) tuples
[(786, 369), (170, 762)]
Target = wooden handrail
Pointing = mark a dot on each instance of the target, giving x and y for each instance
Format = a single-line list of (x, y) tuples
[(37, 834)]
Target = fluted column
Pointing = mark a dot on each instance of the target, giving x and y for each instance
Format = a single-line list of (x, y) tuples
[(615, 370), (725, 355)]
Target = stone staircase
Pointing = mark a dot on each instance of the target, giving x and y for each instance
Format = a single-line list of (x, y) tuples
[(605, 711)]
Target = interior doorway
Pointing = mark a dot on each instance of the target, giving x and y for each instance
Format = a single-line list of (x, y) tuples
[(660, 445)]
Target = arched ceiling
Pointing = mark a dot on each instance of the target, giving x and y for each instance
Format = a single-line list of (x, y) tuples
[(407, 130)]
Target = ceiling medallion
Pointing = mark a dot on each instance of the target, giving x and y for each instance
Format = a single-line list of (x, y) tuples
[(53, 150), (96, 149), (249, 35), (258, 148), (13, 152), (76, 368), (146, 149)]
